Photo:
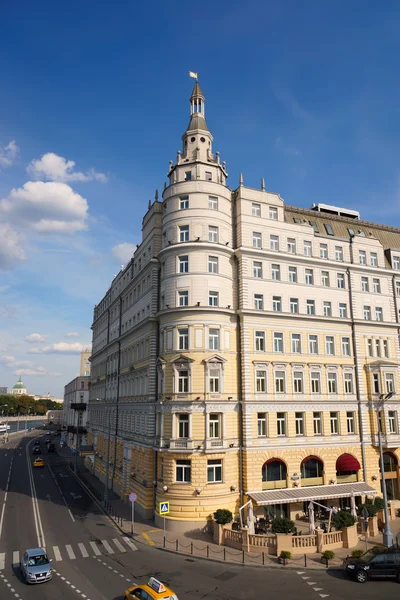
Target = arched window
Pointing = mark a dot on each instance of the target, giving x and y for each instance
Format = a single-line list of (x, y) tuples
[(390, 462), (347, 464), (312, 467), (274, 470)]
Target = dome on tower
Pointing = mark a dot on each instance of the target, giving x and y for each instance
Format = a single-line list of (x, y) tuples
[(19, 387)]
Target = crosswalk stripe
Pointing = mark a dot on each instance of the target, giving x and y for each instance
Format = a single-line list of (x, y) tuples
[(129, 543), (119, 545), (71, 553), (82, 548), (57, 553), (2, 560), (107, 546), (16, 557), (95, 548)]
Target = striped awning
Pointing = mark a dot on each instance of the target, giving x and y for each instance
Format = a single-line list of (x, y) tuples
[(317, 492)]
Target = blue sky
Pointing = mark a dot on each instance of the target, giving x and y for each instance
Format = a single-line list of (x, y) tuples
[(304, 94)]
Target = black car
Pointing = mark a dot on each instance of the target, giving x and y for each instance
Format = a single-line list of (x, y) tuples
[(47, 440), (51, 448), (36, 443), (36, 450), (375, 564)]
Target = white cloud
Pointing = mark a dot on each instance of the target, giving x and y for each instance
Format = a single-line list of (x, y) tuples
[(123, 252), (8, 154), (10, 361), (56, 168), (11, 251), (60, 348), (36, 338), (72, 334), (35, 371), (50, 207)]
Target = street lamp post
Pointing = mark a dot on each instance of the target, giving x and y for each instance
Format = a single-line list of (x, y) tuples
[(387, 534), (26, 419)]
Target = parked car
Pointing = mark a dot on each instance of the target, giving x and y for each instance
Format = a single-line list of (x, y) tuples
[(36, 450), (36, 566), (375, 564)]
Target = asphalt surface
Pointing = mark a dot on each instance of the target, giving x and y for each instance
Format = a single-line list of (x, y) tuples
[(47, 506)]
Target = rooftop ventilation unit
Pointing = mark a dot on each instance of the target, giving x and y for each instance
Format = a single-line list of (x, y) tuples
[(336, 210)]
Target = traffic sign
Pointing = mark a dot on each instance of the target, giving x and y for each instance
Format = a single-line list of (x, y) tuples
[(133, 497), (164, 508), (365, 513)]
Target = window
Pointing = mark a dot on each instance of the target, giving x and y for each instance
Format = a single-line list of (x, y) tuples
[(257, 239), (291, 246), (378, 348), (298, 387), (328, 229), (351, 232), (340, 281), (367, 313), (389, 382), (351, 426), (183, 471), (183, 298), (294, 305), (346, 346), (258, 302), (299, 419), (212, 233), (212, 203), (396, 263), (214, 425), (342, 310), (334, 420), (327, 309), (397, 288), (188, 176), (325, 278), (296, 343), (370, 347), (297, 221), (293, 274), (364, 284), (183, 338), (256, 209), (214, 470), (323, 250), (313, 344), (259, 341), (183, 264), (273, 213), (330, 345), (213, 298), (309, 277), (392, 418), (348, 383), (385, 348), (315, 382), (281, 423), (280, 382), (183, 202), (307, 248), (374, 259), (314, 226), (261, 381), (184, 233), (213, 339), (277, 303), (82, 385), (317, 423), (274, 242), (183, 426), (261, 424), (278, 342), (276, 272), (183, 381), (332, 383), (213, 264), (362, 257), (339, 253), (376, 383), (208, 175), (310, 305), (378, 313), (213, 379), (257, 269)]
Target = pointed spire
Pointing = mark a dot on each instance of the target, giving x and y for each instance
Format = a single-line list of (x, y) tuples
[(241, 179), (263, 184), (156, 196), (165, 185), (197, 93), (149, 204)]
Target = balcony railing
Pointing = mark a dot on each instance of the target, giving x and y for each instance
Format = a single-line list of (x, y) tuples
[(389, 440), (78, 405), (73, 428), (190, 444)]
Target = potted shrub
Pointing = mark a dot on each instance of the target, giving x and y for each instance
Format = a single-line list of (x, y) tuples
[(371, 508), (343, 519), (357, 553), (327, 555), (379, 503), (282, 525), (284, 556), (222, 517)]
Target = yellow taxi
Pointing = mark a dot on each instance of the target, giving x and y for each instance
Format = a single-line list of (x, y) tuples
[(39, 462), (153, 590)]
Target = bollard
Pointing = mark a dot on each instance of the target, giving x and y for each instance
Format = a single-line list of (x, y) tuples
[(305, 560), (243, 556), (224, 553), (164, 541), (177, 545), (191, 547), (326, 560), (208, 551), (284, 561), (263, 558)]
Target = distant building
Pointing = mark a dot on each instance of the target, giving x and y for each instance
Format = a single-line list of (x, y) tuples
[(19, 388), (54, 417), (76, 398), (84, 369), (3, 390)]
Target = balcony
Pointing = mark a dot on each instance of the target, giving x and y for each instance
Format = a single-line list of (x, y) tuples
[(73, 428), (78, 405), (183, 444), (389, 440)]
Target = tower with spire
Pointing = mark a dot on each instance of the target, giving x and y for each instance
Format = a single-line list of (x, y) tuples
[(19, 388)]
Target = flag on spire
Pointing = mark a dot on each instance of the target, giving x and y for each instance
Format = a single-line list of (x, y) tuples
[(194, 75)]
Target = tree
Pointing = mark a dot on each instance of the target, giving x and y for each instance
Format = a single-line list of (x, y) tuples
[(371, 508), (282, 525), (343, 519)]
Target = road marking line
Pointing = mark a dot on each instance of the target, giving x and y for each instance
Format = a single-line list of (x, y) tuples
[(61, 494), (95, 548), (311, 582), (71, 553), (119, 545), (2, 560), (107, 546), (324, 595), (300, 572), (148, 539), (317, 589), (305, 578), (57, 553), (35, 505), (82, 548), (16, 557), (129, 543)]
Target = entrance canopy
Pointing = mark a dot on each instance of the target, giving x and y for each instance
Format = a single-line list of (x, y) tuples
[(305, 494)]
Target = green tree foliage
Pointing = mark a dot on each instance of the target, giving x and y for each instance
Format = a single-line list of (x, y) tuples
[(12, 404), (343, 519), (223, 516), (371, 508), (282, 525)]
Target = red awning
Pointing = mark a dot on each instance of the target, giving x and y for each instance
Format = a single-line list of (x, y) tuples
[(347, 462)]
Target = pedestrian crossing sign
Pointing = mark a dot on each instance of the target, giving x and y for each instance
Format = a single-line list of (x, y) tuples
[(164, 508)]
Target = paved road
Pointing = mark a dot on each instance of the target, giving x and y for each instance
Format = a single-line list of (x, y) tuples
[(95, 562)]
